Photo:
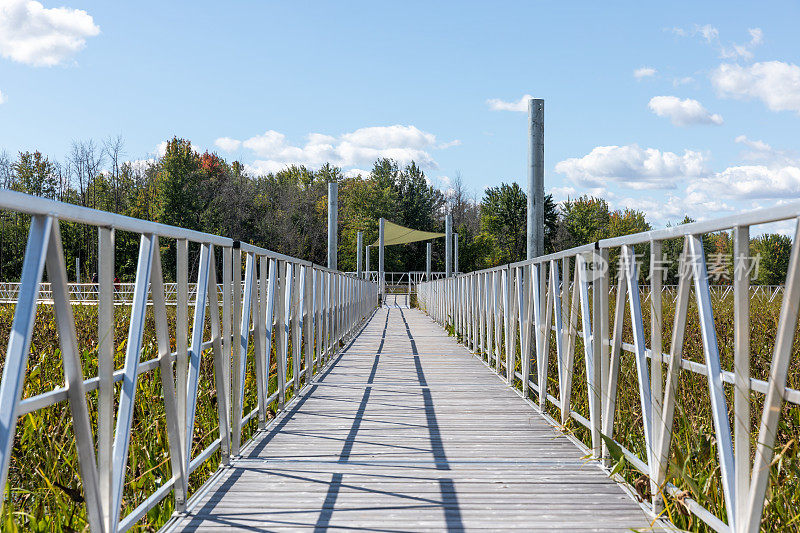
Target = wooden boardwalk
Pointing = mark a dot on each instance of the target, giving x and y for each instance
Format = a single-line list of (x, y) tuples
[(407, 431)]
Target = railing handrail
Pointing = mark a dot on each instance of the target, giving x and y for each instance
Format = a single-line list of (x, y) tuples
[(485, 308), (281, 298)]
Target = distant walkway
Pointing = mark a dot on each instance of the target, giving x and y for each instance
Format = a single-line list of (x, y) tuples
[(407, 431)]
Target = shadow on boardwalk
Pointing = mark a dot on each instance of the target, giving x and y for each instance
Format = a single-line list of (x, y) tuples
[(406, 431)]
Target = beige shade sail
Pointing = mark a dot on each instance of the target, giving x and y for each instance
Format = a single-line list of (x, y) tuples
[(396, 234)]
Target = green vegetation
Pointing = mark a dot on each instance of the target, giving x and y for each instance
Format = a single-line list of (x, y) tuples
[(286, 211), (44, 491)]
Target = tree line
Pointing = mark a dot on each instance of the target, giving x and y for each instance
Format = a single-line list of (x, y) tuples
[(286, 211)]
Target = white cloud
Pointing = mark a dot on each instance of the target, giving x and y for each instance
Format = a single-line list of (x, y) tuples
[(3, 98), (521, 105), (759, 146), (632, 166), (35, 35), (707, 32), (227, 144), (356, 172), (743, 51), (353, 149), (710, 35), (686, 112), (750, 182), (644, 72), (775, 83), (450, 144), (673, 208), (562, 193), (161, 148), (682, 81)]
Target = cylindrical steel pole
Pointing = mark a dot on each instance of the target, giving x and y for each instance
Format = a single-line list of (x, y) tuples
[(333, 219), (455, 253), (535, 178), (428, 263), (448, 246), (381, 275), (366, 263), (359, 247)]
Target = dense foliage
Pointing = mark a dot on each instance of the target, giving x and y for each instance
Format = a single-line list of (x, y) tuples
[(286, 211)]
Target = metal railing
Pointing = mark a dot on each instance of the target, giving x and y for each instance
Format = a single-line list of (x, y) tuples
[(89, 293), (402, 283), (526, 302), (292, 304)]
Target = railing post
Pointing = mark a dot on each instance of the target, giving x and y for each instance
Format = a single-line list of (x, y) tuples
[(182, 332), (236, 348), (105, 369), (656, 359)]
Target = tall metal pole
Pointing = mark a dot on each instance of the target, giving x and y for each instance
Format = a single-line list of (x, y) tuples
[(428, 262), (535, 178), (381, 275), (333, 218), (366, 264), (455, 253), (448, 246), (359, 247)]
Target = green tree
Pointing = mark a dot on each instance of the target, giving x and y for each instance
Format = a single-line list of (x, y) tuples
[(178, 185), (585, 219), (35, 174), (772, 251), (504, 217)]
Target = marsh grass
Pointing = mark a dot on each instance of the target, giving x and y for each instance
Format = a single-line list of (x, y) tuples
[(44, 491)]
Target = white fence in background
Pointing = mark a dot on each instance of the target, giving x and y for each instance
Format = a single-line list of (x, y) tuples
[(280, 297), (87, 293), (552, 294)]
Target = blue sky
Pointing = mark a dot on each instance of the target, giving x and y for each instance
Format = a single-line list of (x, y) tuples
[(674, 108)]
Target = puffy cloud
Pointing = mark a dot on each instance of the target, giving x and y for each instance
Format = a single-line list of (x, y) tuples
[(353, 149), (632, 166), (771, 174), (35, 35), (673, 208), (521, 105), (227, 144), (644, 72), (750, 182), (775, 83), (686, 112), (3, 98)]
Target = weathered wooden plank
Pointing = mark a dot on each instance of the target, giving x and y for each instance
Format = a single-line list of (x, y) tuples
[(408, 432)]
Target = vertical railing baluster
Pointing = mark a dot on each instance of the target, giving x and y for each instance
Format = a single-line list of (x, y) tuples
[(177, 461), (182, 338), (259, 337), (221, 359), (656, 359), (73, 374), (122, 433), (236, 348), (105, 370), (741, 370)]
